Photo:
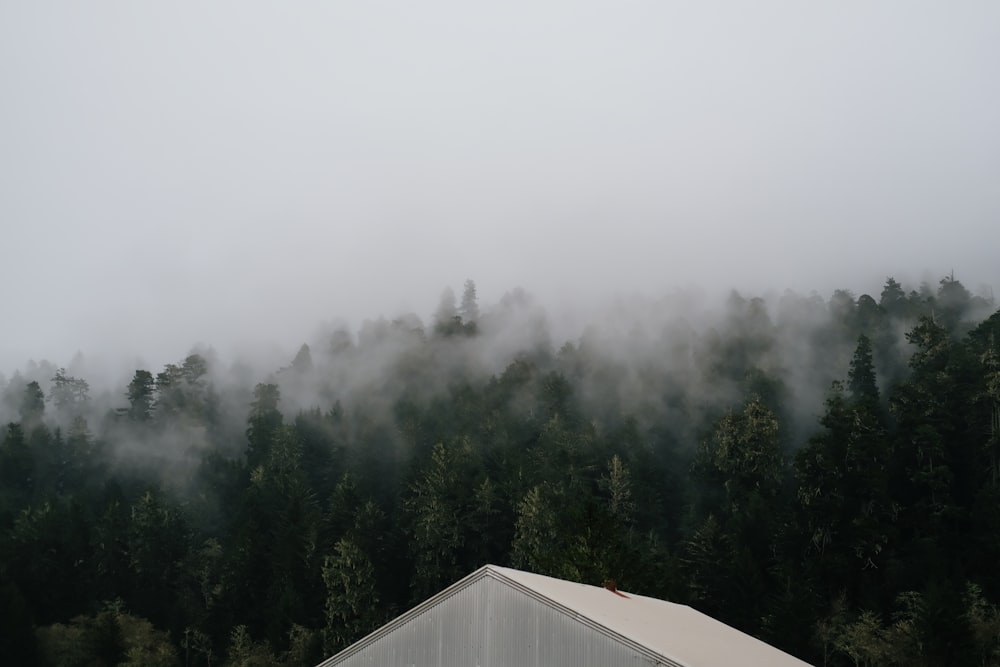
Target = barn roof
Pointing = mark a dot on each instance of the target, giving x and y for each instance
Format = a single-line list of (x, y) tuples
[(675, 632), (670, 633)]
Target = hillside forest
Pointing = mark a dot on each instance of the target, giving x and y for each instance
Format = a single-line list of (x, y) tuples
[(823, 473)]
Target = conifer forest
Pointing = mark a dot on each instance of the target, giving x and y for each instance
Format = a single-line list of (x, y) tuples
[(822, 472)]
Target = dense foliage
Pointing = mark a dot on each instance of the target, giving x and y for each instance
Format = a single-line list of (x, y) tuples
[(822, 474)]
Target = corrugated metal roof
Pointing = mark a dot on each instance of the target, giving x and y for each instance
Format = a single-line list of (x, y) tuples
[(676, 632), (669, 633)]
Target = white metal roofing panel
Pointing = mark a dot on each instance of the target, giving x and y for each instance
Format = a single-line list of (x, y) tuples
[(665, 632), (677, 632)]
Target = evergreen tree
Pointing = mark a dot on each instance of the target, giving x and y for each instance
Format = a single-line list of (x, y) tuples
[(843, 487), (469, 308), (303, 360), (861, 377), (69, 394), (158, 542), (352, 599), (951, 303), (617, 459), (17, 638), (744, 454), (17, 468), (893, 300), (141, 396), (32, 406), (937, 452), (264, 423), (439, 508)]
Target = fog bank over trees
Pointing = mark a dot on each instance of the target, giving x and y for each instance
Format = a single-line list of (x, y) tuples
[(819, 472), (645, 344), (228, 176)]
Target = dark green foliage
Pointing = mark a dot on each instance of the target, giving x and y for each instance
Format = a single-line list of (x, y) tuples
[(102, 640), (32, 405), (109, 637), (439, 505), (183, 391), (46, 553), (893, 299), (276, 522), (17, 468), (861, 377), (17, 638), (141, 396), (352, 597), (157, 543), (264, 423), (847, 512), (952, 303)]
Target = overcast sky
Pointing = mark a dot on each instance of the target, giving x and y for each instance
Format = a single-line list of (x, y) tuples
[(182, 172)]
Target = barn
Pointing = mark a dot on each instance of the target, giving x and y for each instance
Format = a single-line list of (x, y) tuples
[(500, 617)]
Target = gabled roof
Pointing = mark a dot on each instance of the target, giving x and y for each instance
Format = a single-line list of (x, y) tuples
[(670, 633), (675, 632)]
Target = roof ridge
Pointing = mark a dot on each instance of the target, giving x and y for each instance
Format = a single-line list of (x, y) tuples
[(578, 615), (613, 620)]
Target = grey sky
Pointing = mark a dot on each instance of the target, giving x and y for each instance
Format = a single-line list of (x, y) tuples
[(217, 172)]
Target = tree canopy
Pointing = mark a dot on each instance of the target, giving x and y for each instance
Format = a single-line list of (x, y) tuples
[(824, 475)]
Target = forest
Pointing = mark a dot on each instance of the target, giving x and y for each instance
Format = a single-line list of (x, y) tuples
[(822, 473)]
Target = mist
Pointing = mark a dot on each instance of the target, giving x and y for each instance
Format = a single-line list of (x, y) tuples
[(675, 363), (231, 176), (308, 310)]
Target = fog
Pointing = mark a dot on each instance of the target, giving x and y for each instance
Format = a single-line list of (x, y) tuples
[(246, 176)]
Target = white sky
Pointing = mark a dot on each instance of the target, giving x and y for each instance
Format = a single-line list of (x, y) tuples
[(216, 172)]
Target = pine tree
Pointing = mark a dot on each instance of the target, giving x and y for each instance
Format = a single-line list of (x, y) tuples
[(861, 377), (141, 396), (469, 308), (264, 423)]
